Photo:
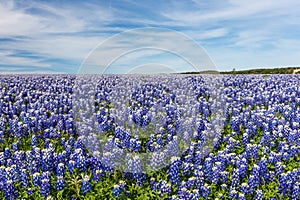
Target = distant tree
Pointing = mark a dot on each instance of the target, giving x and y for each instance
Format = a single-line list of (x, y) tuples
[(233, 71)]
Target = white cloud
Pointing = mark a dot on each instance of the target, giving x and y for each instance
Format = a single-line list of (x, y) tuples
[(252, 38), (237, 31), (129, 49), (235, 10), (58, 35), (9, 58), (206, 34), (16, 22), (19, 21)]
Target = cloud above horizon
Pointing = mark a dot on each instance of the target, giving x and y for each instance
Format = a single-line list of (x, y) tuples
[(56, 37)]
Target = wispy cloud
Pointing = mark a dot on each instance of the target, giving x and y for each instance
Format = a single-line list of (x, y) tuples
[(11, 58), (50, 32), (148, 45), (57, 36), (231, 10)]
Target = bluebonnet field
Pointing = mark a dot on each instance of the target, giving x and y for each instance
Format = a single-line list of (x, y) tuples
[(251, 149)]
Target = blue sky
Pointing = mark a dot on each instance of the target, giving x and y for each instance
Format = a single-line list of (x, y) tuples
[(56, 36)]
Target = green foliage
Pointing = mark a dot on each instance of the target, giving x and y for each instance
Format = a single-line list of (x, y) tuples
[(288, 70)]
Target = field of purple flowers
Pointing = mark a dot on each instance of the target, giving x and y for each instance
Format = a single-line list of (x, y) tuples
[(238, 139)]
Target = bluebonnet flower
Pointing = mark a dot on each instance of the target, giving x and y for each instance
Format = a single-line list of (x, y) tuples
[(233, 194), (10, 190), (188, 158), (60, 183), (24, 175), (36, 154), (224, 176), (134, 144), (60, 170), (263, 170), (217, 169), (173, 146), (71, 141), (195, 194), (97, 174), (241, 196), (1, 136), (164, 187), (199, 174), (86, 184), (235, 178), (294, 151), (71, 166), (296, 191), (2, 158), (61, 157), (119, 133), (10, 162), (95, 160), (245, 188), (122, 184), (47, 160), (46, 175), (243, 170), (293, 175), (79, 144), (134, 166), (205, 190), (2, 177), (279, 167), (294, 125), (252, 150), (45, 187), (157, 160), (152, 182), (116, 190), (266, 139), (207, 167), (231, 142), (224, 186), (187, 168), (68, 149), (253, 182), (259, 195), (30, 191), (286, 156), (81, 162), (15, 146), (174, 170), (231, 158), (7, 153), (19, 158), (235, 124), (286, 181), (184, 193), (270, 176), (34, 140), (256, 173), (107, 160), (36, 179), (12, 173), (63, 142), (47, 143)]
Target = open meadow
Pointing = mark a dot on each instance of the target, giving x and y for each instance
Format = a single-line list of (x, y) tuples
[(150, 137)]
